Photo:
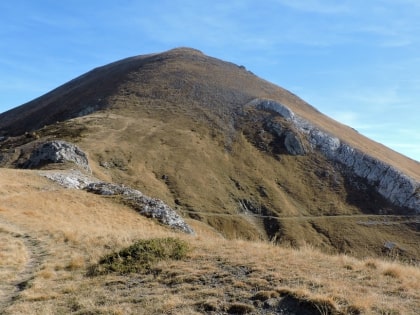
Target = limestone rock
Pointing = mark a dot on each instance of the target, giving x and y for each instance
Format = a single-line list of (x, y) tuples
[(149, 207), (393, 185), (293, 144), (57, 152), (70, 179), (274, 106)]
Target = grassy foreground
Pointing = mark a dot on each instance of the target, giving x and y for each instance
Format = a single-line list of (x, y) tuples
[(50, 237)]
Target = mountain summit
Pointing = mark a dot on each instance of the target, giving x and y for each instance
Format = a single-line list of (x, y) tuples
[(220, 145)]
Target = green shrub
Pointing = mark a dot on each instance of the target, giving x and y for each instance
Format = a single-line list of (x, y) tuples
[(141, 256)]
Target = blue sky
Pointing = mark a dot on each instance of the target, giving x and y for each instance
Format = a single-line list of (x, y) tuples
[(356, 61)]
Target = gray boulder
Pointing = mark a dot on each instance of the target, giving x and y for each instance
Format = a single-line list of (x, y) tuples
[(57, 151), (293, 144)]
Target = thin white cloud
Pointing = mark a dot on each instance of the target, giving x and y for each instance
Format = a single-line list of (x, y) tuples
[(406, 141), (349, 118), (317, 6)]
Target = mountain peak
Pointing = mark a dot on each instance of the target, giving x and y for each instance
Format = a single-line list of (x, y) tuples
[(184, 50)]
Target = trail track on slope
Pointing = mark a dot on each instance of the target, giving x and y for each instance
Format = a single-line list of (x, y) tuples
[(14, 241)]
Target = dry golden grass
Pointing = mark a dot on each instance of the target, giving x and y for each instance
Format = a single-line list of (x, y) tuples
[(13, 254), (76, 229), (12, 250)]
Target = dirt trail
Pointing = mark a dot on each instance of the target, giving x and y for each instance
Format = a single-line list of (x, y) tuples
[(11, 288)]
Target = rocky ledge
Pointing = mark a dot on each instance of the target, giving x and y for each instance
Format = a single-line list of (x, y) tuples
[(146, 206), (149, 207), (392, 184)]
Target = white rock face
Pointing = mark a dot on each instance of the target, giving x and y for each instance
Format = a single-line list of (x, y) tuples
[(324, 142), (389, 182), (70, 179), (274, 106)]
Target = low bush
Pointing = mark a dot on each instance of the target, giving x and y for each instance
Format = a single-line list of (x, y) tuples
[(141, 256)]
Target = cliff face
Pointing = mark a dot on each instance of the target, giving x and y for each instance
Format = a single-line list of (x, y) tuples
[(396, 187)]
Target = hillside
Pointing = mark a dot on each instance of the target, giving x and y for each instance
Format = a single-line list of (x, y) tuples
[(50, 236)]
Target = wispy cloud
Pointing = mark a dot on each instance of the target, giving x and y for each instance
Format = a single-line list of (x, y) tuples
[(346, 117), (317, 6), (400, 139)]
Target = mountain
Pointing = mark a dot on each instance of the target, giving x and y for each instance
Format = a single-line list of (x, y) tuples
[(177, 183), (222, 146)]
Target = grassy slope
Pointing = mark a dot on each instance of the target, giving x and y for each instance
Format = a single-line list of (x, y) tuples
[(188, 167), (75, 229)]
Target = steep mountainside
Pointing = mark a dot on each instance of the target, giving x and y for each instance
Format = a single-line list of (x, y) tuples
[(220, 145)]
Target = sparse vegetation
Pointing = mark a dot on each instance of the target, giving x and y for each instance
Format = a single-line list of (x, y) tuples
[(142, 256), (240, 308)]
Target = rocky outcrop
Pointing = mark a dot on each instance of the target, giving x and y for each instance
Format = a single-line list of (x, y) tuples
[(270, 105), (389, 182), (393, 185), (288, 139), (57, 151), (70, 179), (147, 206), (293, 144)]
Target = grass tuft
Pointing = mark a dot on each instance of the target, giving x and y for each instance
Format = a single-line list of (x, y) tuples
[(393, 272), (141, 256)]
